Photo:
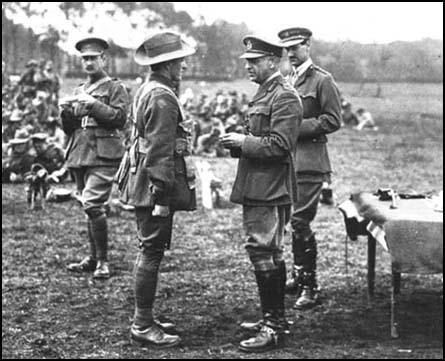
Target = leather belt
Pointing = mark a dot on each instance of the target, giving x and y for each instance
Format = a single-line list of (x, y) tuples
[(88, 122)]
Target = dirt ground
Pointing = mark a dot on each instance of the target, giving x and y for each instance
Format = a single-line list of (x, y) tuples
[(207, 284)]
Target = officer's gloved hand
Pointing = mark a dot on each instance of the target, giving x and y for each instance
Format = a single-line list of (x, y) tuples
[(160, 211)]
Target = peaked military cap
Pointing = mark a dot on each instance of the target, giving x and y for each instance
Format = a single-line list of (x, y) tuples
[(257, 47), (91, 46), (161, 47), (294, 36)]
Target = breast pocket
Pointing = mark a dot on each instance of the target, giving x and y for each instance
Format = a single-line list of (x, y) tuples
[(310, 104), (259, 120), (109, 144), (102, 95)]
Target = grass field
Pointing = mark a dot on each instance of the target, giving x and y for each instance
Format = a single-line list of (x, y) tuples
[(207, 285)]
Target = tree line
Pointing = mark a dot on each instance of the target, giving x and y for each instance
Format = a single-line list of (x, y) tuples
[(219, 46)]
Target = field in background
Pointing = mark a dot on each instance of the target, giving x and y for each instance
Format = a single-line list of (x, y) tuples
[(207, 285)]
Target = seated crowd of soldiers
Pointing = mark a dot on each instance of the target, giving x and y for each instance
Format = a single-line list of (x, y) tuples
[(31, 131), (211, 118)]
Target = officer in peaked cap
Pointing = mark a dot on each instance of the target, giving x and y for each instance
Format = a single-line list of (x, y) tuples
[(294, 36), (322, 116), (266, 155), (159, 157), (92, 46), (92, 119)]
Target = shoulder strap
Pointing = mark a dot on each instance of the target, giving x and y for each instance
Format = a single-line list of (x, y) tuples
[(96, 85), (147, 88)]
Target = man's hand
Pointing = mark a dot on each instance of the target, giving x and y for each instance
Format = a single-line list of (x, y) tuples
[(160, 211), (86, 99), (232, 140)]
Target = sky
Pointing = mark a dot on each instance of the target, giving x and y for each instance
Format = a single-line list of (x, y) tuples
[(369, 22)]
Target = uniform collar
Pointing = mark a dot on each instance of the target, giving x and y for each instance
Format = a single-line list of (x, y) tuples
[(267, 85), (162, 79), (96, 78), (274, 75), (303, 67)]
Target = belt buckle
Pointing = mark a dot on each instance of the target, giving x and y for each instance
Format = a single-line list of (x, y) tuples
[(84, 123)]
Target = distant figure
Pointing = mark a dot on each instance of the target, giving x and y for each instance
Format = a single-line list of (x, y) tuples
[(53, 82), (55, 133), (19, 161), (365, 120), (208, 144), (27, 82), (49, 156), (348, 116)]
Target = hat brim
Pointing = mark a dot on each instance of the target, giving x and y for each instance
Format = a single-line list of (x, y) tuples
[(91, 53), (142, 58), (252, 55), (288, 43), (100, 41), (18, 141)]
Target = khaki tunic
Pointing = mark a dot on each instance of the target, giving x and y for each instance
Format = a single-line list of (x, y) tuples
[(94, 140), (266, 172), (161, 147), (322, 115)]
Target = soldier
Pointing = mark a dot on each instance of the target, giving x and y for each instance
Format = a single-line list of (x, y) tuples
[(27, 82), (55, 133), (156, 176), (49, 156), (20, 160), (265, 183), (91, 120), (54, 85), (157, 171), (14, 123), (322, 115)]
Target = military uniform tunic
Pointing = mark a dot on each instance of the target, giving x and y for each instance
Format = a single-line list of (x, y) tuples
[(322, 115), (94, 140), (95, 147), (266, 173)]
